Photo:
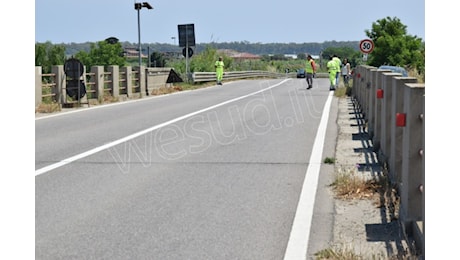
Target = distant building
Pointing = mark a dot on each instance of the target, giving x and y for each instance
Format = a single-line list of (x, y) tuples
[(292, 56), (132, 53), (238, 56)]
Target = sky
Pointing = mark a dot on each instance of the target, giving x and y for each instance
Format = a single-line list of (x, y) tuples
[(295, 21)]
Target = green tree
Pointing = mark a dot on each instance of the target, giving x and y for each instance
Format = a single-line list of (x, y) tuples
[(102, 53), (393, 46), (302, 56), (205, 60), (48, 55), (157, 59)]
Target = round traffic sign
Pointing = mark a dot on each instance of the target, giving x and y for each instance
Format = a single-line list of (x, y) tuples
[(190, 52), (366, 46)]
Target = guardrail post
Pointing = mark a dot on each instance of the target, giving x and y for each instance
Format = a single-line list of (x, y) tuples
[(357, 89), (115, 72), (397, 106), (38, 85), (385, 123), (412, 161), (127, 71), (141, 81), (375, 107), (99, 82), (60, 80)]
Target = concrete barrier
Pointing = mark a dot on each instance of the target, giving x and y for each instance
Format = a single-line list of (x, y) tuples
[(127, 82), (394, 108)]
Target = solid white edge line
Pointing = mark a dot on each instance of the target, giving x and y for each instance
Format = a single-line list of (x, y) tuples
[(130, 137), (297, 248)]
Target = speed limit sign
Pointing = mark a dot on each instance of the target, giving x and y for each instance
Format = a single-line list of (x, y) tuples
[(366, 46)]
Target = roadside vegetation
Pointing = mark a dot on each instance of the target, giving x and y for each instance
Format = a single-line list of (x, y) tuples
[(348, 184), (342, 252), (392, 46)]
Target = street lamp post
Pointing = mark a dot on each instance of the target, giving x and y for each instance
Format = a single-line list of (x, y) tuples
[(138, 7)]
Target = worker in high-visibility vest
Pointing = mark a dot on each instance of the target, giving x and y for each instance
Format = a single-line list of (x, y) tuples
[(332, 70), (339, 64), (219, 65), (310, 69)]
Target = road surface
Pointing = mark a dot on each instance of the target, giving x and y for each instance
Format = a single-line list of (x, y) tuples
[(215, 173)]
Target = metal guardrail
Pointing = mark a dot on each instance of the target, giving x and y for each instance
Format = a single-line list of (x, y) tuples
[(211, 76)]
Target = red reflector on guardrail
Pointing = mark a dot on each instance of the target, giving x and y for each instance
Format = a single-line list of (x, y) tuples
[(400, 119), (379, 93)]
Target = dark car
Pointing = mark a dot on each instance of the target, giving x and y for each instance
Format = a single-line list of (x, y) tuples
[(301, 73), (395, 69)]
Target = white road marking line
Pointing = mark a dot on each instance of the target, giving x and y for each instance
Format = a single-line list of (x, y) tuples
[(130, 137), (300, 233)]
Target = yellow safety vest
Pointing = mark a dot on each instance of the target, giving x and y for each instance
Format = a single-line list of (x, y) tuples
[(219, 65), (308, 66)]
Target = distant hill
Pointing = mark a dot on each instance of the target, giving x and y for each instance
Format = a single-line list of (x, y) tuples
[(254, 48)]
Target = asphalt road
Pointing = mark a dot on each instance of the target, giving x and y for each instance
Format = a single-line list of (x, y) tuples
[(214, 173)]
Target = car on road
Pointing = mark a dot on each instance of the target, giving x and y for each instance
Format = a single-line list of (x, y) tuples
[(395, 69), (301, 73)]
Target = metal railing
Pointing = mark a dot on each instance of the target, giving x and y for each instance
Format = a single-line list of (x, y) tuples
[(211, 76)]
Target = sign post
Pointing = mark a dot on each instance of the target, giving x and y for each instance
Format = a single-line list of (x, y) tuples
[(187, 40)]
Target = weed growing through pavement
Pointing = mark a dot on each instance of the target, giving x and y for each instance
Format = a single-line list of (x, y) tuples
[(342, 252), (329, 160), (348, 184)]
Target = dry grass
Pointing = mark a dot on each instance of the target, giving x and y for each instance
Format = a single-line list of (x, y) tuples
[(166, 90), (47, 108), (109, 99), (349, 185), (337, 253), (346, 252), (414, 73), (342, 90)]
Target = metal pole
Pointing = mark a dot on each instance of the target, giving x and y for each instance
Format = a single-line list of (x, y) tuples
[(139, 36), (148, 56), (187, 69)]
